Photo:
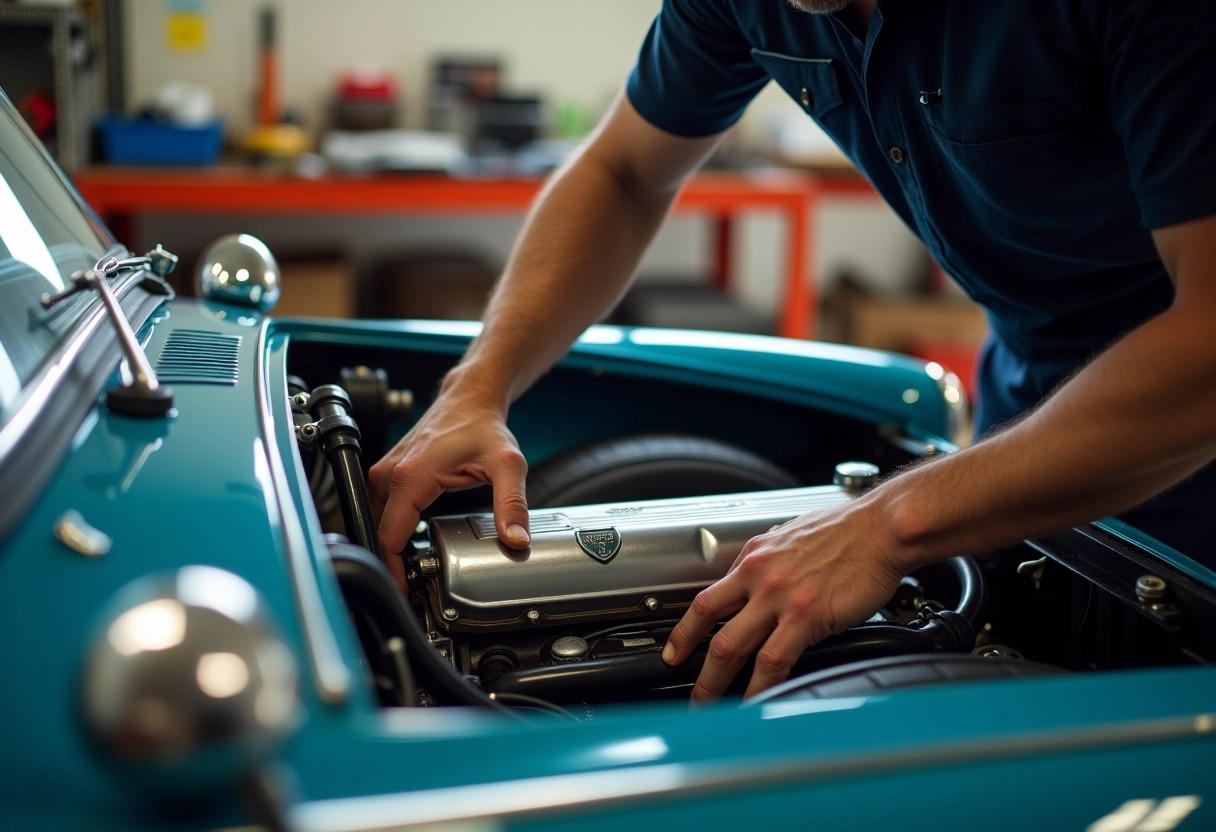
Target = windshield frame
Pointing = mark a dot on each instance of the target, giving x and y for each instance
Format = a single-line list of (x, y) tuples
[(47, 233)]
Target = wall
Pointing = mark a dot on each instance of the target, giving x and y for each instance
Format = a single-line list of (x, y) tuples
[(570, 50), (573, 50)]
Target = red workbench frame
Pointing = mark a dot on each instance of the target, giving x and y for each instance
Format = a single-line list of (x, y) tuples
[(118, 194)]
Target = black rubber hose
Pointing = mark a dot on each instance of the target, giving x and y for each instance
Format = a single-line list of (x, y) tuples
[(951, 631), (973, 595), (347, 466), (338, 436), (890, 673), (602, 679), (365, 579)]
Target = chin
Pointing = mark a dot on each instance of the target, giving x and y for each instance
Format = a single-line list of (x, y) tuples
[(820, 6)]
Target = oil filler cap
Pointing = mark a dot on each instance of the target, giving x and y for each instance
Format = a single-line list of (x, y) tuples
[(569, 649), (855, 476)]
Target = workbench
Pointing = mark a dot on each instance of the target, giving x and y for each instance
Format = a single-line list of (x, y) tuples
[(118, 194)]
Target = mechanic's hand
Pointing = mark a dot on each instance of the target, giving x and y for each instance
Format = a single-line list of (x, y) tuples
[(458, 443), (790, 588)]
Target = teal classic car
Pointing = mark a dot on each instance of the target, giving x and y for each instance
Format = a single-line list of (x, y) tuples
[(198, 634)]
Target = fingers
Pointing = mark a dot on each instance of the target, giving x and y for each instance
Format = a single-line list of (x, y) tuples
[(377, 491), (775, 659), (378, 478), (411, 488), (754, 625), (507, 477), (453, 446), (407, 497), (729, 650), (709, 607), (789, 588), (396, 568)]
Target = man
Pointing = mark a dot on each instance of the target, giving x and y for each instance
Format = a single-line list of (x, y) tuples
[(1058, 158)]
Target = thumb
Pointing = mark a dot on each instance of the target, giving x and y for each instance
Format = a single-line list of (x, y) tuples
[(511, 505)]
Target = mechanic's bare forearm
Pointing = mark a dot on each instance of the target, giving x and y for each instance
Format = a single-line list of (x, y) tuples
[(580, 246), (1138, 419)]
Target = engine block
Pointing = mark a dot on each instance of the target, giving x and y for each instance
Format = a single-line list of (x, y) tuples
[(624, 561)]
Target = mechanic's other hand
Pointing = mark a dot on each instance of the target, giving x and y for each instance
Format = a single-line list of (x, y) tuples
[(458, 443), (790, 588)]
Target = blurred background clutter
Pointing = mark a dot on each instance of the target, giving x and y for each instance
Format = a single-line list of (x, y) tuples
[(145, 102)]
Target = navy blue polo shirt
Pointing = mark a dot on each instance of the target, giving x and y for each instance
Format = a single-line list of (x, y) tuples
[(1031, 145)]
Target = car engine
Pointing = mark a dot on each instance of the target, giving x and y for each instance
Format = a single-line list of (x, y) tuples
[(580, 617)]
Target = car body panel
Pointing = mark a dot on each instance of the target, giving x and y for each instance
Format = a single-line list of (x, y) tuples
[(862, 383), (221, 482), (145, 483)]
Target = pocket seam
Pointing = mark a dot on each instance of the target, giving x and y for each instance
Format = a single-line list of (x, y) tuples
[(823, 71), (996, 144), (934, 116)]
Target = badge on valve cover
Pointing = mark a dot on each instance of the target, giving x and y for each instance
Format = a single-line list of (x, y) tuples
[(601, 544)]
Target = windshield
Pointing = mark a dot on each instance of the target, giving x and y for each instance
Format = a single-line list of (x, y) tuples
[(44, 238)]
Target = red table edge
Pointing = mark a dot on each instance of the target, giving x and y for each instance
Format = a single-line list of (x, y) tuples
[(117, 193)]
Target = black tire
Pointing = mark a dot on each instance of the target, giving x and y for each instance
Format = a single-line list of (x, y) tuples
[(651, 466), (876, 676)]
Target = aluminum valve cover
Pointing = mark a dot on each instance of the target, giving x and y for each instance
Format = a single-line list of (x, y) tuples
[(642, 559)]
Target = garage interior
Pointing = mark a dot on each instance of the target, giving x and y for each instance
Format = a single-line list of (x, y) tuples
[(205, 97)]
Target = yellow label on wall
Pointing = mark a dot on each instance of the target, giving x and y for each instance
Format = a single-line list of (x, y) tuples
[(186, 31)]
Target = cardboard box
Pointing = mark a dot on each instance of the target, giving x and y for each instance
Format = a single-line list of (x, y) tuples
[(321, 287), (947, 330), (440, 283), (898, 324)]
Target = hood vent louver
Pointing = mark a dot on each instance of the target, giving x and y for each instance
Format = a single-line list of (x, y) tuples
[(195, 355)]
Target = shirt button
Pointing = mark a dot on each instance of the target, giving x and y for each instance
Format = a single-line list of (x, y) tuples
[(805, 97), (896, 154)]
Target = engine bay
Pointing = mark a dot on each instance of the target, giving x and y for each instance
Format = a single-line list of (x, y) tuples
[(580, 618)]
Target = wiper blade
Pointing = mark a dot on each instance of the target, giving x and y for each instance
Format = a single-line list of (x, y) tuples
[(158, 261), (142, 394)]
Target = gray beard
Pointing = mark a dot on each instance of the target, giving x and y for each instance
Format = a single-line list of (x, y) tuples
[(820, 6)]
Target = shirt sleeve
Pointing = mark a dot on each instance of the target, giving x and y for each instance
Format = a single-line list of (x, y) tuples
[(694, 75), (1160, 58)]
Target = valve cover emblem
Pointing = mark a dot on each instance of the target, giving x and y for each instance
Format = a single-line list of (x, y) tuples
[(601, 544)]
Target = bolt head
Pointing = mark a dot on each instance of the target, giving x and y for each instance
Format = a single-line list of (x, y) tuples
[(1150, 588)]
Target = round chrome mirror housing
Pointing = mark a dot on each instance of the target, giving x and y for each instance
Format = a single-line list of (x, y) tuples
[(186, 686), (239, 268)]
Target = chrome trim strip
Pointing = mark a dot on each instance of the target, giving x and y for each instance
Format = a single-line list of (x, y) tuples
[(330, 675), (671, 781), (39, 391)]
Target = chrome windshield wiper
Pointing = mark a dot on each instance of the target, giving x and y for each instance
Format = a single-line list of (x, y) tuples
[(158, 261), (141, 393)]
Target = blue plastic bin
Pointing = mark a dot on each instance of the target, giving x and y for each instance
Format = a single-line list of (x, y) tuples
[(145, 141)]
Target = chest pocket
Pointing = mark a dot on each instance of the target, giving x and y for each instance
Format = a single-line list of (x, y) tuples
[(812, 82), (1037, 175)]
